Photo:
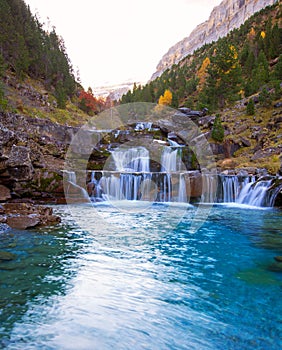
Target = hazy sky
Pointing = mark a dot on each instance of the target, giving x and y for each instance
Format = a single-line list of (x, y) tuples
[(113, 41)]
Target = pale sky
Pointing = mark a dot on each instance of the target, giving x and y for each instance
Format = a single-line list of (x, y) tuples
[(114, 41)]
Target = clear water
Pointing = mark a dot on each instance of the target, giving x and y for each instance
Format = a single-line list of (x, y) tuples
[(141, 285)]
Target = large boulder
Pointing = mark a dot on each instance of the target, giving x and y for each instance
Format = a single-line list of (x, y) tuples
[(26, 215), (23, 222)]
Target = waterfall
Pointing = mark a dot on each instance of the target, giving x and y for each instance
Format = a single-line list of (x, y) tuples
[(171, 159), (132, 160), (74, 192), (209, 189), (143, 126), (246, 190), (160, 187), (255, 193), (131, 179), (182, 193), (232, 187), (71, 176)]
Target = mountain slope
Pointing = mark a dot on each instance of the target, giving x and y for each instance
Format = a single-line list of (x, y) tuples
[(228, 15)]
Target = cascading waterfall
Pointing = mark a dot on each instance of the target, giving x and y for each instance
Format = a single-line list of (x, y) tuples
[(256, 193), (74, 192), (246, 190), (131, 179), (232, 186), (132, 160), (71, 176), (171, 159), (182, 193), (209, 188)]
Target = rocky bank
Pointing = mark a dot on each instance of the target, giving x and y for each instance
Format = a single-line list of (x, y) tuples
[(32, 154)]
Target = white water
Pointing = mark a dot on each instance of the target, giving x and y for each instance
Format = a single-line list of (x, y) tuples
[(255, 193), (132, 160), (182, 193), (74, 192), (131, 179), (247, 191), (171, 160), (143, 126)]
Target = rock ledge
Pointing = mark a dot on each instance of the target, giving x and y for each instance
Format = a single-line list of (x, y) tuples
[(27, 215)]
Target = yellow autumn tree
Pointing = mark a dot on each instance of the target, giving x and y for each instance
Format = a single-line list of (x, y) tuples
[(166, 98), (202, 72), (252, 34), (262, 34)]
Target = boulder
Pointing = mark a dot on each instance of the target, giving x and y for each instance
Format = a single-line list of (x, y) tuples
[(26, 215), (23, 222), (245, 142), (228, 163), (267, 152)]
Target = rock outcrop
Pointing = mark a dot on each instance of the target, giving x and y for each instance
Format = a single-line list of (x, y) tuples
[(27, 215), (32, 152), (228, 15)]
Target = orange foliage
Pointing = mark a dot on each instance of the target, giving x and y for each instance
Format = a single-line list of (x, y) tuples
[(89, 103)]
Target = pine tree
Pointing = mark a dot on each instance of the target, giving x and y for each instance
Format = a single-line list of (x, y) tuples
[(277, 74), (29, 50), (265, 97), (217, 130), (61, 96), (251, 107), (224, 76)]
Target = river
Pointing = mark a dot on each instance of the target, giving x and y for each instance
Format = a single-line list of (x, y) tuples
[(142, 283)]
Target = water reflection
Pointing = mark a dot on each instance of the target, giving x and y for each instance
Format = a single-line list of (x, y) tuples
[(141, 286), (38, 268)]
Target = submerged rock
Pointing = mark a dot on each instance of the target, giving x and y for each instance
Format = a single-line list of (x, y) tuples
[(7, 256)]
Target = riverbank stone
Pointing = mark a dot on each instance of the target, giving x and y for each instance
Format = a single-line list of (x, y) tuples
[(27, 215)]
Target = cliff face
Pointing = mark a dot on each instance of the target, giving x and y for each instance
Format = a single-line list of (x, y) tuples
[(228, 15), (32, 152)]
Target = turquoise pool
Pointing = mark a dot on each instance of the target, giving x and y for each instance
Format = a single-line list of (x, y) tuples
[(142, 284)]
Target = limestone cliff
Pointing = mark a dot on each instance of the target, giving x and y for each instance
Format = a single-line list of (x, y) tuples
[(228, 15)]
